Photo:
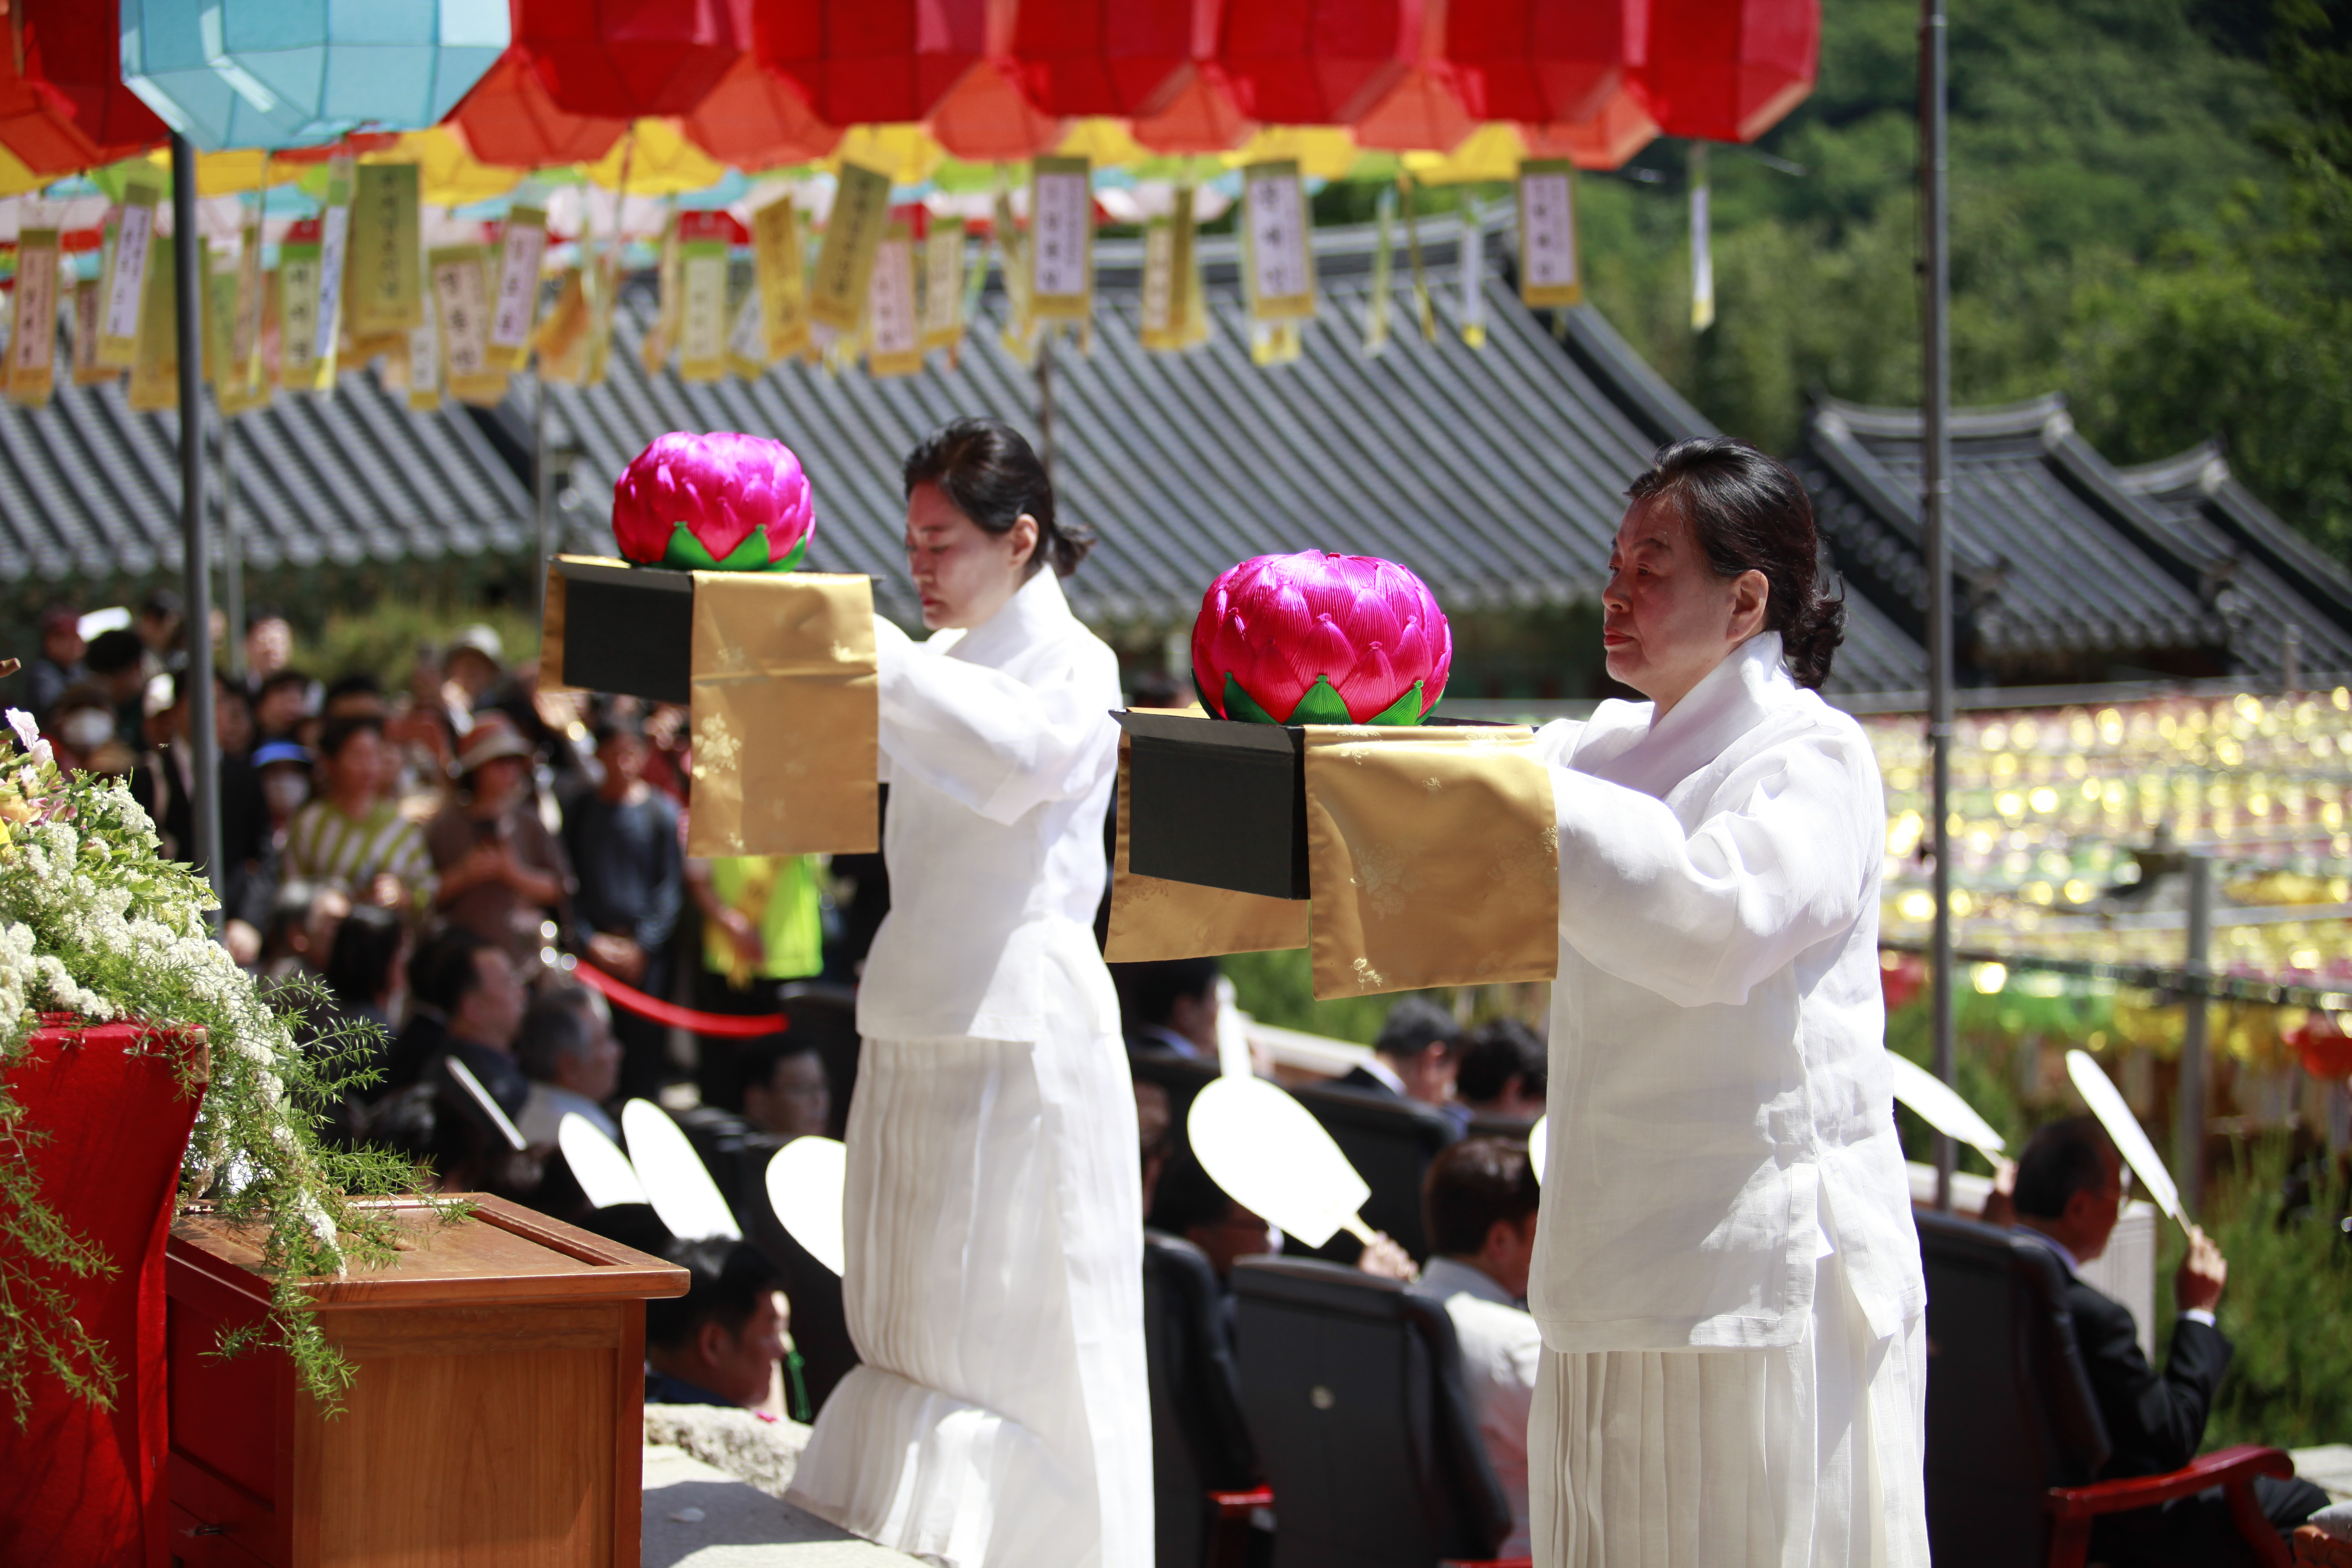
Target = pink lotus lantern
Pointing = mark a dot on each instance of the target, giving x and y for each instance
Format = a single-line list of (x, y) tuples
[(721, 503), (1318, 638)]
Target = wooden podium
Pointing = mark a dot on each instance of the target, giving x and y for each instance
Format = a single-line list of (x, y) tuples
[(496, 1420)]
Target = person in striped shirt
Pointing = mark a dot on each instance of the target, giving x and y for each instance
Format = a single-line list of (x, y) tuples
[(353, 836)]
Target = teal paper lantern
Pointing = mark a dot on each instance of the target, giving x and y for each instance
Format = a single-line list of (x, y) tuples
[(293, 73)]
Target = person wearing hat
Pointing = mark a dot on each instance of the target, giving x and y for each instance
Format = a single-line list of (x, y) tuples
[(502, 874)]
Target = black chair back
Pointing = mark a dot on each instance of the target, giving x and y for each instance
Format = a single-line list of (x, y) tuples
[(2009, 1409), (1391, 1140), (1200, 1442), (1354, 1394)]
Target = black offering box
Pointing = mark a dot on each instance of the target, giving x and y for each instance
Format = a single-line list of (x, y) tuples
[(1217, 803), (628, 629)]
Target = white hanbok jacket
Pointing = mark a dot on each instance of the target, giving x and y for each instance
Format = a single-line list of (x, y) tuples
[(1010, 720), (1720, 1109)]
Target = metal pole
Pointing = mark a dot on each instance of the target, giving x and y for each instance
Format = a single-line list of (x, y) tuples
[(539, 486), (2188, 1111), (232, 553), (1936, 494), (196, 587), (1045, 400)]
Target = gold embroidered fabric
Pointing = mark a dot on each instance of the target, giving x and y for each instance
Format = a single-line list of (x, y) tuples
[(551, 628), (784, 716), (1432, 857), (1153, 918)]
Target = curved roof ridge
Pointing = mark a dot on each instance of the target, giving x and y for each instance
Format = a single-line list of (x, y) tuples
[(2025, 418), (2181, 471)]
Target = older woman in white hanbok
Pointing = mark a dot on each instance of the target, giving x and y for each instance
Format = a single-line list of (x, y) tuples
[(1726, 1272), (995, 1228)]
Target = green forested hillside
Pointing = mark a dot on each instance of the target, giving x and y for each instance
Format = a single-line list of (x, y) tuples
[(2148, 214)]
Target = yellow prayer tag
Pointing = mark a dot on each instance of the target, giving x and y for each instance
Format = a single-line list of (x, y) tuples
[(87, 371), (383, 285), (514, 309), (944, 268), (781, 275), (461, 311), (155, 368), (853, 235), (122, 285), (894, 344), (33, 330), (702, 296)]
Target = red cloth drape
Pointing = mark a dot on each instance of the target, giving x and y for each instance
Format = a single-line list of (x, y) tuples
[(80, 1484)]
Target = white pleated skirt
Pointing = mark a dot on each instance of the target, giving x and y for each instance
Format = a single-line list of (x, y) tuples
[(994, 1290), (1806, 1457)]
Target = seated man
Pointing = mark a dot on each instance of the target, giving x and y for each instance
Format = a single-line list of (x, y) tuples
[(1170, 1007), (567, 1050), (1503, 1072), (1479, 1203), (1415, 1055), (721, 1341), (2069, 1191), (467, 1003), (785, 1090)]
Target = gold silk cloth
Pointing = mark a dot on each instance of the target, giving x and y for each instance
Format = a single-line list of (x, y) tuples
[(1154, 919), (1432, 859), (785, 711)]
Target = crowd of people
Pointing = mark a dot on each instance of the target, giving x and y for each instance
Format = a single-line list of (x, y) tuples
[(441, 856)]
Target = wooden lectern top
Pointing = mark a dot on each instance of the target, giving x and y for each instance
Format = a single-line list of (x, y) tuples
[(502, 1252)]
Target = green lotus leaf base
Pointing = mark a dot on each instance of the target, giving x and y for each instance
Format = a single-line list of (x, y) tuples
[(1321, 705), (687, 553)]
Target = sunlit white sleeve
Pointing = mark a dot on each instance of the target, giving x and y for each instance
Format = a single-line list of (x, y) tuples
[(1000, 745), (1702, 917)]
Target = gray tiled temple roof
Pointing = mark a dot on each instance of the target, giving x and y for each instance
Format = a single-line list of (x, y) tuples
[(89, 489), (2063, 568), (1496, 473)]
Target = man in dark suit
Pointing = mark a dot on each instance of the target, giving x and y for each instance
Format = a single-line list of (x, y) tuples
[(2069, 1191), (1170, 1005), (1416, 1056)]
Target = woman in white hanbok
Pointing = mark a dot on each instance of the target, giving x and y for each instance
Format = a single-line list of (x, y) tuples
[(994, 1228), (1726, 1271)]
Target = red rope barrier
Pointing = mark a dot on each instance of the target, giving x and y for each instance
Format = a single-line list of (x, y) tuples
[(732, 1026)]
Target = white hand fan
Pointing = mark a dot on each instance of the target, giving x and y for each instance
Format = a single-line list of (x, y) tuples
[(1539, 1145), (489, 1105), (603, 1173), (1272, 1157), (1938, 1105), (679, 1188), (2106, 1103), (806, 1184)]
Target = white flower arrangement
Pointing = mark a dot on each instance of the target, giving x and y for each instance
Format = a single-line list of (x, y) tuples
[(95, 922)]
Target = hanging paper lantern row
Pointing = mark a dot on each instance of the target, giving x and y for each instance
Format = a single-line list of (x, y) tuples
[(290, 73), (1541, 62), (1121, 58), (628, 59), (1620, 129), (511, 121), (1727, 70), (755, 119), (870, 61), (1201, 118), (1317, 62), (72, 59), (985, 118)]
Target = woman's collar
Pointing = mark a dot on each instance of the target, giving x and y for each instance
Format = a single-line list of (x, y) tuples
[(1034, 607), (1729, 700)]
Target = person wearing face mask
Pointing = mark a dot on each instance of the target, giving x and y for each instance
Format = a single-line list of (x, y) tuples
[(285, 770), (1726, 1272), (81, 731), (994, 1203)]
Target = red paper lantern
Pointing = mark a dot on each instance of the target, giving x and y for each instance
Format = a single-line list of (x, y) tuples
[(1540, 61), (1201, 118), (73, 61), (1424, 113), (755, 119), (1123, 58), (42, 140), (1604, 141), (1727, 70), (510, 121), (1317, 62), (871, 61), (985, 120), (626, 59)]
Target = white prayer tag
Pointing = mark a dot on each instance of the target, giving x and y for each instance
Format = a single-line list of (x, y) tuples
[(458, 296), (1546, 234), (1281, 269), (702, 324), (1058, 224), (334, 230), (523, 245), (890, 300), (32, 345), (1159, 279), (943, 286), (127, 282)]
